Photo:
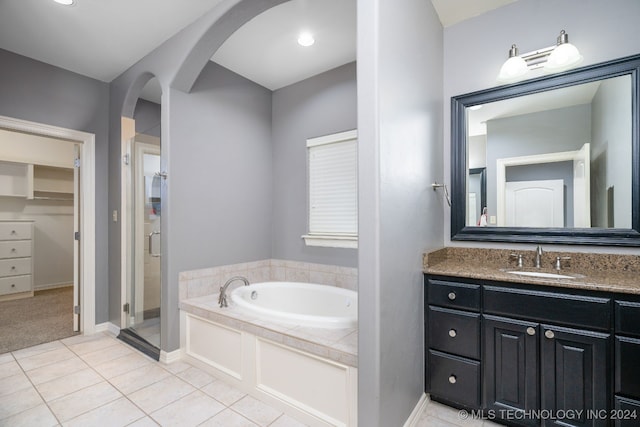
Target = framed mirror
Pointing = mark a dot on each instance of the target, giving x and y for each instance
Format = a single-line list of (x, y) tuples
[(558, 158)]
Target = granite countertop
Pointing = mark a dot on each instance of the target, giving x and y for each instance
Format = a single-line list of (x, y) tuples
[(595, 272)]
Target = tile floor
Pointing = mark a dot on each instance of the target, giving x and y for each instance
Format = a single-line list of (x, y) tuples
[(97, 381)]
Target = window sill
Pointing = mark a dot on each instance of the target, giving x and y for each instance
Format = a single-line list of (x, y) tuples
[(331, 241)]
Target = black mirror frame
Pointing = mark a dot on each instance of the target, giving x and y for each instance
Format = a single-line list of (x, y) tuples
[(575, 236)]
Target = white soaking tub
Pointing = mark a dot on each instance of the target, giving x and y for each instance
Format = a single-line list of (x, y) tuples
[(304, 304)]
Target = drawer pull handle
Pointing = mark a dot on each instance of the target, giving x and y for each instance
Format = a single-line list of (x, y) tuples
[(452, 333), (452, 296), (549, 334), (531, 331), (452, 379)]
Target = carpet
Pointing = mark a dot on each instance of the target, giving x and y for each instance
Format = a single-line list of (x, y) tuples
[(46, 317)]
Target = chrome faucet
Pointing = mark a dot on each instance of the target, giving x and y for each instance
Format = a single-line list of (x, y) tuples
[(222, 299), (538, 255)]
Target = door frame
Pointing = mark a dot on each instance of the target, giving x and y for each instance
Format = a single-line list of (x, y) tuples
[(87, 264)]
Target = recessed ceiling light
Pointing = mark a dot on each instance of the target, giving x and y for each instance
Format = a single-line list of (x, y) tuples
[(65, 2), (306, 39)]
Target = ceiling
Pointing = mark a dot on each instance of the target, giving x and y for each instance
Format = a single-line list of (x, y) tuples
[(101, 39)]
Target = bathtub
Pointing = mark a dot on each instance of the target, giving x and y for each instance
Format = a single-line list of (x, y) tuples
[(304, 304)]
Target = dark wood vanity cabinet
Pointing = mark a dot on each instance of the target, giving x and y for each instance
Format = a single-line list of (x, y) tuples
[(542, 350)]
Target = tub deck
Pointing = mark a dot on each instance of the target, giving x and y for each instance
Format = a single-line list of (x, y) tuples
[(338, 345)]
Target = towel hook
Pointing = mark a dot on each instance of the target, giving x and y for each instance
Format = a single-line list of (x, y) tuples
[(435, 186)]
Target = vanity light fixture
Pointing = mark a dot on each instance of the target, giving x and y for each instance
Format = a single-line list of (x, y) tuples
[(65, 2), (306, 39), (553, 59)]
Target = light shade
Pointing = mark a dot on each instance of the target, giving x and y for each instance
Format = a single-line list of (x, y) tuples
[(514, 68), (562, 58), (306, 39)]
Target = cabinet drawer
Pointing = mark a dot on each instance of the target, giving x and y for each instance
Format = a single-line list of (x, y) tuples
[(454, 378), (15, 267), (628, 367), (454, 294), (627, 413), (552, 307), (15, 230), (12, 285), (456, 332), (628, 318), (15, 249)]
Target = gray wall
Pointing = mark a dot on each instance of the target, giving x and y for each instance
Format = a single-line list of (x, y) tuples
[(611, 153), (484, 41), (563, 129), (400, 216), (147, 117), (317, 106), (34, 91)]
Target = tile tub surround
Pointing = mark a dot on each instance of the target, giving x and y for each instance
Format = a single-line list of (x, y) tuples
[(339, 345), (207, 281), (601, 272)]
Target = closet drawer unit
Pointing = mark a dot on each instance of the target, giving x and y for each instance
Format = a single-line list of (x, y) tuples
[(555, 307), (15, 230), (15, 267), (454, 294), (13, 285), (15, 249), (454, 378), (628, 318), (627, 412), (453, 331), (627, 372)]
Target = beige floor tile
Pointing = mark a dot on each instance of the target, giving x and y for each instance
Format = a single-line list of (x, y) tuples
[(56, 370), (81, 401), (107, 354), (223, 392), (121, 365), (256, 411), (19, 401), (77, 339), (6, 358), (45, 358), (120, 412), (228, 418), (10, 368), (68, 384), (430, 421), (39, 416), (14, 383), (451, 415), (144, 422), (287, 421), (134, 380), (196, 377), (37, 349), (93, 345), (160, 394), (190, 410), (176, 367)]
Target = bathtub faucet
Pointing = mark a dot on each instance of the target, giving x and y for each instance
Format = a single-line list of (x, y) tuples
[(222, 300)]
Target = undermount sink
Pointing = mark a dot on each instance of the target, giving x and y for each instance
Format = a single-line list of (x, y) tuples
[(541, 274)]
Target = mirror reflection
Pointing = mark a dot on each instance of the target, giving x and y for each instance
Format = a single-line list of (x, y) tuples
[(559, 158)]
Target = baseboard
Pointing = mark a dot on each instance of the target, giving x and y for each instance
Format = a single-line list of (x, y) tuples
[(51, 286), (170, 357), (417, 411), (107, 327)]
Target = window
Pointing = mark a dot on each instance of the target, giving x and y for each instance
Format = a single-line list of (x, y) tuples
[(333, 190)]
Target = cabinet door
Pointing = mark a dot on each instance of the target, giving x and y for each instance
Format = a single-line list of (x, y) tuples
[(511, 367), (575, 369)]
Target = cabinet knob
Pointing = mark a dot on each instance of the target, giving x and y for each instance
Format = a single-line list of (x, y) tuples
[(549, 334), (13, 231), (452, 333), (13, 249), (531, 331), (452, 296), (13, 285), (452, 379), (13, 267)]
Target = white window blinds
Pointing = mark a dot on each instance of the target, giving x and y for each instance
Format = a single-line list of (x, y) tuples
[(333, 190)]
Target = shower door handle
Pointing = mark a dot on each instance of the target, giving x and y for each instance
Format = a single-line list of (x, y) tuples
[(151, 244)]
